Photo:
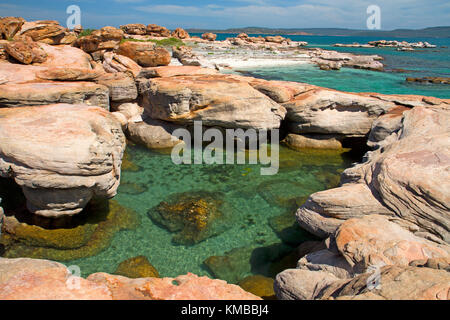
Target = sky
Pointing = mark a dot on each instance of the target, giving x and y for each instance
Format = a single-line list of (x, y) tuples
[(223, 14)]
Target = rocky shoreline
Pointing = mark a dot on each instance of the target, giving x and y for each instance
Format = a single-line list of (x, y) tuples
[(390, 213)]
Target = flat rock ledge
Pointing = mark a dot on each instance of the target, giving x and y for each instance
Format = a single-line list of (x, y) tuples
[(32, 279)]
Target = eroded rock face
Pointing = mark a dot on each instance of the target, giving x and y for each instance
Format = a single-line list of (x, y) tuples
[(102, 39), (43, 93), (9, 26), (145, 53), (59, 176), (26, 52), (407, 178), (153, 134), (217, 100), (325, 111), (180, 33), (134, 28), (157, 31), (209, 36), (46, 31)]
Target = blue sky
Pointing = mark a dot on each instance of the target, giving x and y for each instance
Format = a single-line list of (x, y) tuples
[(414, 14)]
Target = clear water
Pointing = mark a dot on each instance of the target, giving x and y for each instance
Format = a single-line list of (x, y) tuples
[(252, 200), (419, 63)]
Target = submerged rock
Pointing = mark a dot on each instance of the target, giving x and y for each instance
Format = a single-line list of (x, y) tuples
[(93, 232), (137, 267), (192, 216), (259, 285)]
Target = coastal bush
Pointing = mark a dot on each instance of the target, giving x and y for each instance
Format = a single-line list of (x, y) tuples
[(168, 42), (86, 32)]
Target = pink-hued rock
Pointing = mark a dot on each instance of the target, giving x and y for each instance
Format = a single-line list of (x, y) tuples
[(26, 52), (174, 71), (157, 31), (43, 93), (134, 28), (145, 53), (217, 100), (66, 56), (115, 63), (374, 240), (209, 36), (29, 279), (49, 32), (185, 287), (61, 155), (408, 177)]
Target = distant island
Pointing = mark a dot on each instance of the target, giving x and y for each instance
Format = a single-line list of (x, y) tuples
[(433, 32)]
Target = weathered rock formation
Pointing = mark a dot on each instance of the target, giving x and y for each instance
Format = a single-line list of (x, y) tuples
[(146, 54), (61, 155)]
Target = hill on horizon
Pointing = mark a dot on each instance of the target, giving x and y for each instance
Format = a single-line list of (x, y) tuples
[(431, 32)]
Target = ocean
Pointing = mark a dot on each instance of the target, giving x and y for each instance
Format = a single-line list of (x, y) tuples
[(399, 65)]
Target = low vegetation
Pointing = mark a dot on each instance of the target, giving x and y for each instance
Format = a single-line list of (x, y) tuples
[(168, 42)]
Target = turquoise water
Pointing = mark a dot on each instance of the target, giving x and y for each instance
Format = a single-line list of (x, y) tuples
[(251, 202), (420, 63)]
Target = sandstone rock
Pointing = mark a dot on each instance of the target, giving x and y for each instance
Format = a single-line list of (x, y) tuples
[(325, 111), (275, 39), (385, 125), (188, 58), (58, 180), (42, 93), (49, 32), (242, 36), (374, 240), (68, 74), (396, 283), (280, 91), (328, 261), (9, 26), (209, 36), (134, 28), (153, 134), (69, 38), (28, 279), (66, 56), (174, 71), (324, 211), (180, 33), (121, 86), (297, 284), (114, 63), (102, 39), (186, 287), (217, 100), (145, 53), (26, 52), (157, 31)]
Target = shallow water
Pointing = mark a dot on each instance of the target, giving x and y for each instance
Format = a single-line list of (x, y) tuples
[(250, 200)]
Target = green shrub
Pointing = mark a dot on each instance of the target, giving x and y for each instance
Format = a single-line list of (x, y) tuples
[(86, 32), (168, 42)]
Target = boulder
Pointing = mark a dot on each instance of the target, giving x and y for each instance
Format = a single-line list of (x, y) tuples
[(300, 141), (325, 111), (217, 100), (58, 180), (374, 240), (103, 39), (66, 57), (121, 86), (157, 31), (145, 53), (134, 28), (49, 32), (114, 63), (180, 33), (209, 36), (26, 52), (153, 134), (9, 26), (275, 39)]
